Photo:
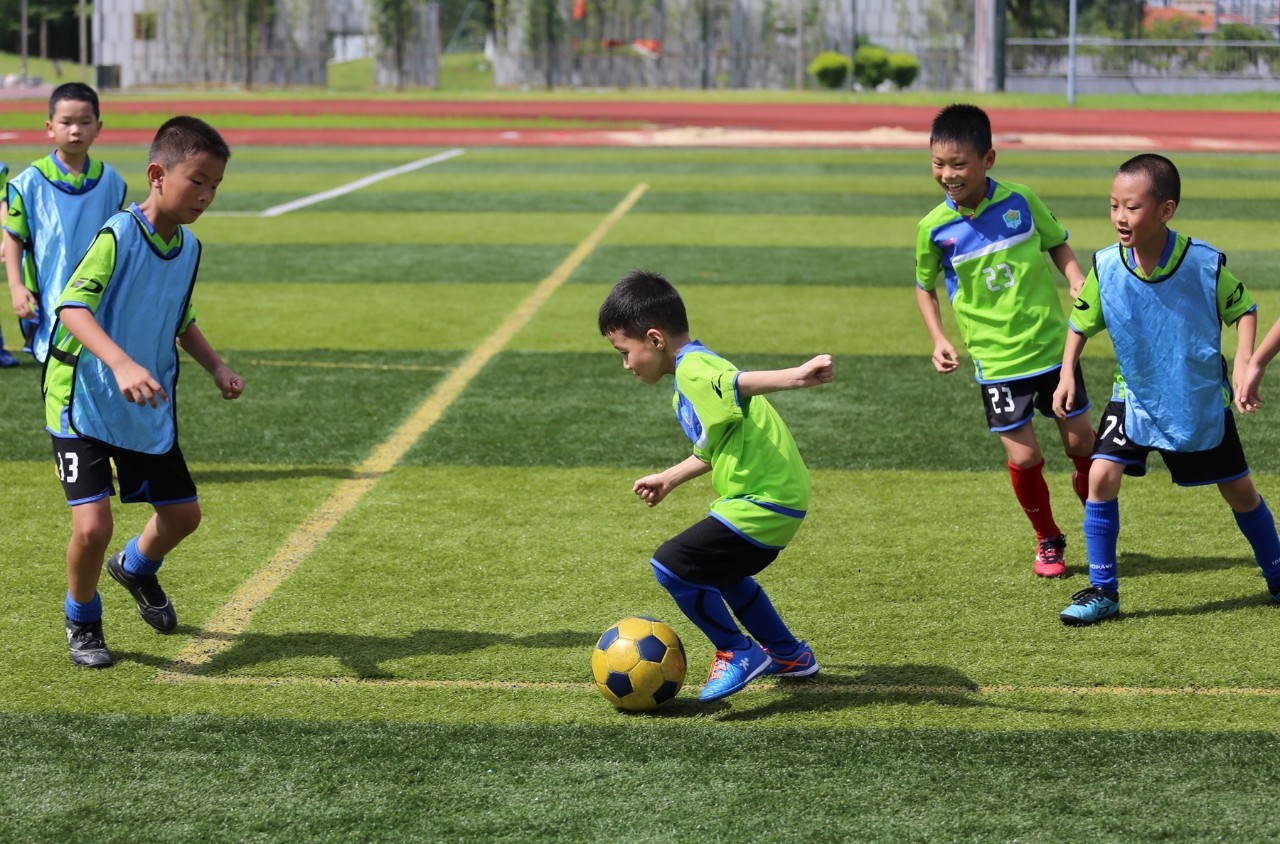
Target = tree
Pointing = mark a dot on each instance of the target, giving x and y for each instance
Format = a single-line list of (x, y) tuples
[(1050, 18)]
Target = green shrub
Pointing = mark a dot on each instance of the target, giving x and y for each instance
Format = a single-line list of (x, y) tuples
[(871, 66), (903, 69), (831, 69)]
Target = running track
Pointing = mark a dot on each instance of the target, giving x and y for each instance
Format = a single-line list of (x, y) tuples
[(629, 123)]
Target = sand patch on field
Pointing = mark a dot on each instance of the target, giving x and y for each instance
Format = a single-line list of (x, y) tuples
[(880, 137)]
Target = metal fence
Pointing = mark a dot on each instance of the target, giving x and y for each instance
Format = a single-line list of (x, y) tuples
[(1147, 66)]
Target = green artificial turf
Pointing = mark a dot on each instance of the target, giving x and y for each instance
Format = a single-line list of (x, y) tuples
[(423, 672)]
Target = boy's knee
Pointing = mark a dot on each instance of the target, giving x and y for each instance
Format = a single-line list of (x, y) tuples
[(181, 519), (92, 532)]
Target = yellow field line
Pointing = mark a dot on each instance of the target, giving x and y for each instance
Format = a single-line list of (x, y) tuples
[(320, 364), (234, 616), (818, 687)]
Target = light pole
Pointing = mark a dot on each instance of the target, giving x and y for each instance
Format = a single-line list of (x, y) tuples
[(1071, 55)]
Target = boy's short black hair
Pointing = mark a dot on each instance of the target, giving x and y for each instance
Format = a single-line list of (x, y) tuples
[(185, 137), (1162, 177), (964, 125), (642, 300), (76, 92)]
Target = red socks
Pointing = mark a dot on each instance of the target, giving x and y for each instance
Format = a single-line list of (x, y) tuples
[(1033, 494), (1080, 480)]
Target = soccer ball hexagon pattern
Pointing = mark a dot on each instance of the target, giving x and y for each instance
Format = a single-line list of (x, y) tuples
[(638, 664)]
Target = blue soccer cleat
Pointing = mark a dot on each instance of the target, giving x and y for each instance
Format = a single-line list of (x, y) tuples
[(7, 360), (732, 670), (1089, 606), (800, 663)]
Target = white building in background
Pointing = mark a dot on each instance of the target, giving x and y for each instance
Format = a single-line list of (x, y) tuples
[(144, 43)]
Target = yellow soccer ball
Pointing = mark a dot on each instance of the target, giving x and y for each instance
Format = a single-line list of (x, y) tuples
[(638, 664)]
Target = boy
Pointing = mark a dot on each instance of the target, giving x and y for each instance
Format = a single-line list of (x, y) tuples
[(110, 378), (6, 358), (755, 468), (986, 239), (56, 207), (1163, 298)]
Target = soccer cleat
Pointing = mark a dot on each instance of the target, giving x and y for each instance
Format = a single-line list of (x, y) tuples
[(732, 670), (1049, 554), (153, 604), (1080, 484), (800, 664), (88, 648), (1089, 606), (7, 360)]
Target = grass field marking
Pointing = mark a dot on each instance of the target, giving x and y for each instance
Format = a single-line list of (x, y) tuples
[(351, 187), (235, 615), (320, 364), (813, 688)]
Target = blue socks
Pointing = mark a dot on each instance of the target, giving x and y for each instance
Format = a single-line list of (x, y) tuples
[(1259, 528), (1101, 530), (135, 563), (754, 609), (83, 613), (705, 607)]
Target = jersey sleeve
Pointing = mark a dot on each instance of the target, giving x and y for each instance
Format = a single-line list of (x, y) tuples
[(713, 390), (1086, 313), (1234, 300), (15, 221), (928, 258), (1052, 233), (90, 278)]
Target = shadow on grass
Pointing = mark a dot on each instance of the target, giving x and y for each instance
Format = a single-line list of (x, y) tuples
[(1247, 602), (873, 684), (1137, 565), (364, 655)]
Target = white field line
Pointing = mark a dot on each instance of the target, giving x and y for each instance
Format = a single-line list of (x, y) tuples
[(234, 616), (350, 187)]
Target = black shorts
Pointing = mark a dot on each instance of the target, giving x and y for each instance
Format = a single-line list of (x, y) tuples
[(711, 553), (1011, 404), (84, 467), (1225, 462)]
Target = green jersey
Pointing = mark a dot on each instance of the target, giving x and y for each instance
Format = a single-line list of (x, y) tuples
[(756, 469), (1004, 296)]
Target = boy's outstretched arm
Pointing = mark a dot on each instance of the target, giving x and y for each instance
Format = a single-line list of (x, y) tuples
[(1064, 258), (1064, 396), (653, 488), (811, 373), (944, 354), (1257, 368), (194, 343), (138, 385)]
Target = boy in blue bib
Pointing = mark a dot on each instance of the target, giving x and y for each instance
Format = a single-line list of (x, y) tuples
[(56, 207), (111, 377), (1163, 298), (6, 357)]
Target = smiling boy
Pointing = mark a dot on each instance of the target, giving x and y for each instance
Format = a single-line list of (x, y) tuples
[(1163, 298)]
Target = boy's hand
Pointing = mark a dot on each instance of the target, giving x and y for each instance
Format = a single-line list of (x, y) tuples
[(1064, 398), (652, 488), (24, 303), (818, 370), (1247, 398), (230, 384), (944, 358), (138, 385)]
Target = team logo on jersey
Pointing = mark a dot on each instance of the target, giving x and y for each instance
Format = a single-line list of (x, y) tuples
[(1013, 218)]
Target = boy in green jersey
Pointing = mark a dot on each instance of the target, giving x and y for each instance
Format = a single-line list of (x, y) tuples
[(1163, 297), (987, 240), (762, 482)]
